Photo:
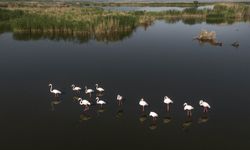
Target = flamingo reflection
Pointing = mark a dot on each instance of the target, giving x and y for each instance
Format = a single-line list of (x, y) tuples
[(187, 123), (203, 119), (143, 118), (98, 94), (153, 126), (167, 119), (84, 117), (53, 103), (119, 113), (100, 111)]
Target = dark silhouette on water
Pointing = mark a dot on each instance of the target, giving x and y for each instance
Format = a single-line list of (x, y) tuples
[(153, 126), (203, 119), (100, 110), (143, 117), (85, 117), (119, 113), (56, 101), (167, 119), (236, 44), (187, 123)]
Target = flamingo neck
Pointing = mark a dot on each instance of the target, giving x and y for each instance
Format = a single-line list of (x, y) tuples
[(50, 88)]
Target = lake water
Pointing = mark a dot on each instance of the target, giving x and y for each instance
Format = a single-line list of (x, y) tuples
[(166, 0), (161, 60), (154, 9)]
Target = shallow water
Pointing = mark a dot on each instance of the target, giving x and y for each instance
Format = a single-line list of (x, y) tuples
[(174, 1), (153, 9), (161, 60)]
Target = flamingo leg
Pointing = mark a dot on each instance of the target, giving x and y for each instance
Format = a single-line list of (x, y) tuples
[(86, 108), (142, 108), (154, 119), (167, 107)]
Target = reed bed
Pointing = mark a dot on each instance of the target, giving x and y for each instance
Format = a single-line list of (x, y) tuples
[(104, 24)]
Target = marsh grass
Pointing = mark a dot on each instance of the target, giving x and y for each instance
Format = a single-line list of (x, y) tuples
[(103, 24)]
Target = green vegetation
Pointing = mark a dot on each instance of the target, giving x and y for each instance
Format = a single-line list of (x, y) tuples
[(76, 21)]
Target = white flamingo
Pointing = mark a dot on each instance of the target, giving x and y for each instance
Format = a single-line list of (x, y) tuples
[(84, 102), (167, 101), (54, 91), (88, 91), (205, 105), (100, 102), (188, 108), (99, 89), (154, 115), (119, 99), (76, 88), (143, 103)]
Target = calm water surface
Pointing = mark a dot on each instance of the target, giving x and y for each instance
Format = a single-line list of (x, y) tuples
[(154, 9), (162, 60)]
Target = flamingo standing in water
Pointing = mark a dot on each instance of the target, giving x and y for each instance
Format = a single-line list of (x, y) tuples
[(54, 91), (143, 103), (100, 102), (88, 91), (154, 115), (188, 108), (205, 105), (84, 102), (76, 88), (119, 99), (99, 89), (167, 101)]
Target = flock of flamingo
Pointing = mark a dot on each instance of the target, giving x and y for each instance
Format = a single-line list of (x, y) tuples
[(120, 98)]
